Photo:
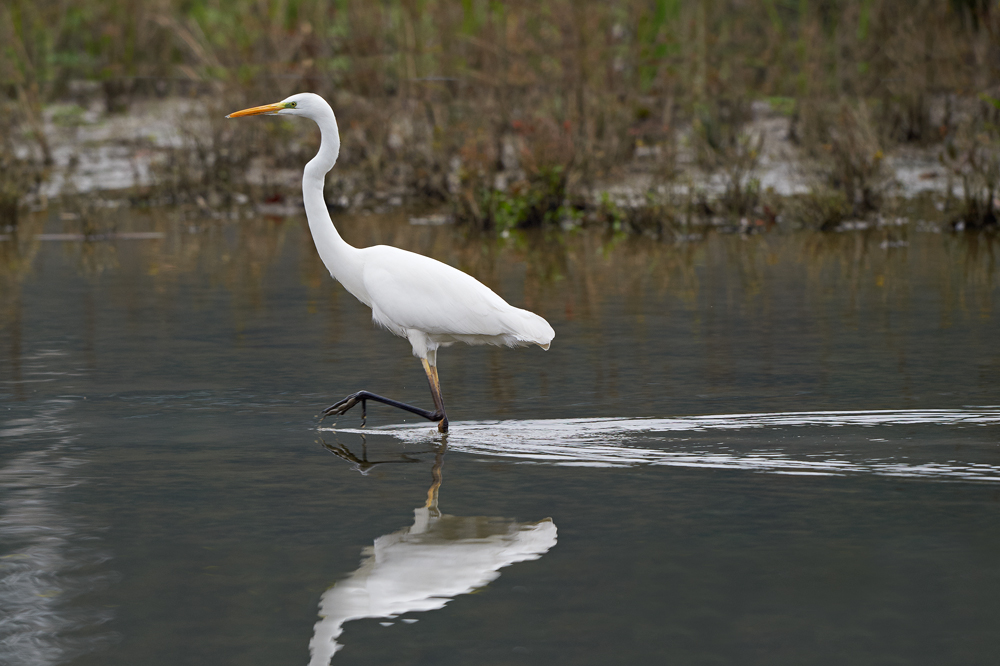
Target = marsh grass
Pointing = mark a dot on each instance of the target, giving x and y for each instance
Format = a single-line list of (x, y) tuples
[(514, 112), (725, 144), (972, 157), (18, 175)]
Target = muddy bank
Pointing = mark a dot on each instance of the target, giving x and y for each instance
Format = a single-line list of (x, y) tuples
[(171, 150)]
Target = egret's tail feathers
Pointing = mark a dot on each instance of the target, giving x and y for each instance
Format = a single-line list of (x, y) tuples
[(532, 329)]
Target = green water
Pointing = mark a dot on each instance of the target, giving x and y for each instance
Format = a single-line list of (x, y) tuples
[(782, 449)]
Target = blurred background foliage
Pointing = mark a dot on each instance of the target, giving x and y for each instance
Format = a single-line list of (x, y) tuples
[(510, 110)]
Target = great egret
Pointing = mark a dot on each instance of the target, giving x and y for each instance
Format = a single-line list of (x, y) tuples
[(418, 298)]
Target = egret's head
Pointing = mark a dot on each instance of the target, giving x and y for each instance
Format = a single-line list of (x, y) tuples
[(309, 105)]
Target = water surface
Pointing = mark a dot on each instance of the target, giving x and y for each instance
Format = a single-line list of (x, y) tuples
[(774, 449)]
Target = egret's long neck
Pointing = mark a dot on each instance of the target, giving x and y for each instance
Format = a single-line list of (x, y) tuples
[(340, 259)]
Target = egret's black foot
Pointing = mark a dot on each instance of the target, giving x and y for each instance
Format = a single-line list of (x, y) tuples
[(346, 404)]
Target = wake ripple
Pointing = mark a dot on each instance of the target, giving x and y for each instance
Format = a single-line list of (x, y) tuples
[(624, 442)]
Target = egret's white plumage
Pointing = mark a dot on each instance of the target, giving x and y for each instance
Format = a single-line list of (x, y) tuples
[(428, 302)]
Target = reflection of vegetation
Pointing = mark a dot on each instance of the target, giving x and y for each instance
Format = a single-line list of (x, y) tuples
[(598, 288), (17, 254), (580, 275), (238, 255), (234, 256), (18, 250), (576, 277)]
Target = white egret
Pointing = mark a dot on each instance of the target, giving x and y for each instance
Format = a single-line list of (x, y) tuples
[(418, 298)]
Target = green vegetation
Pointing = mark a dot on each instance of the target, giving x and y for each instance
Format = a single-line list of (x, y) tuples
[(516, 112)]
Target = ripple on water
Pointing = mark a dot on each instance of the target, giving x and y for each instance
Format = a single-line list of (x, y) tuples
[(47, 558), (621, 442)]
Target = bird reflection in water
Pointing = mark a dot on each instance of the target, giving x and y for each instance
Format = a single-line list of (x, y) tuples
[(424, 566), (362, 464)]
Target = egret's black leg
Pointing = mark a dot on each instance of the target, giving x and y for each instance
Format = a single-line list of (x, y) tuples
[(350, 401), (438, 414)]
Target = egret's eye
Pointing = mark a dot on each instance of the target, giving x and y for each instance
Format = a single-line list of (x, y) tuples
[(291, 105)]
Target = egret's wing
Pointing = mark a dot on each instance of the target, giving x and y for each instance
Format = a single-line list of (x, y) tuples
[(410, 291)]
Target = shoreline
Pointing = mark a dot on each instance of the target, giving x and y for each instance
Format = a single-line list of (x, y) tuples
[(143, 158)]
